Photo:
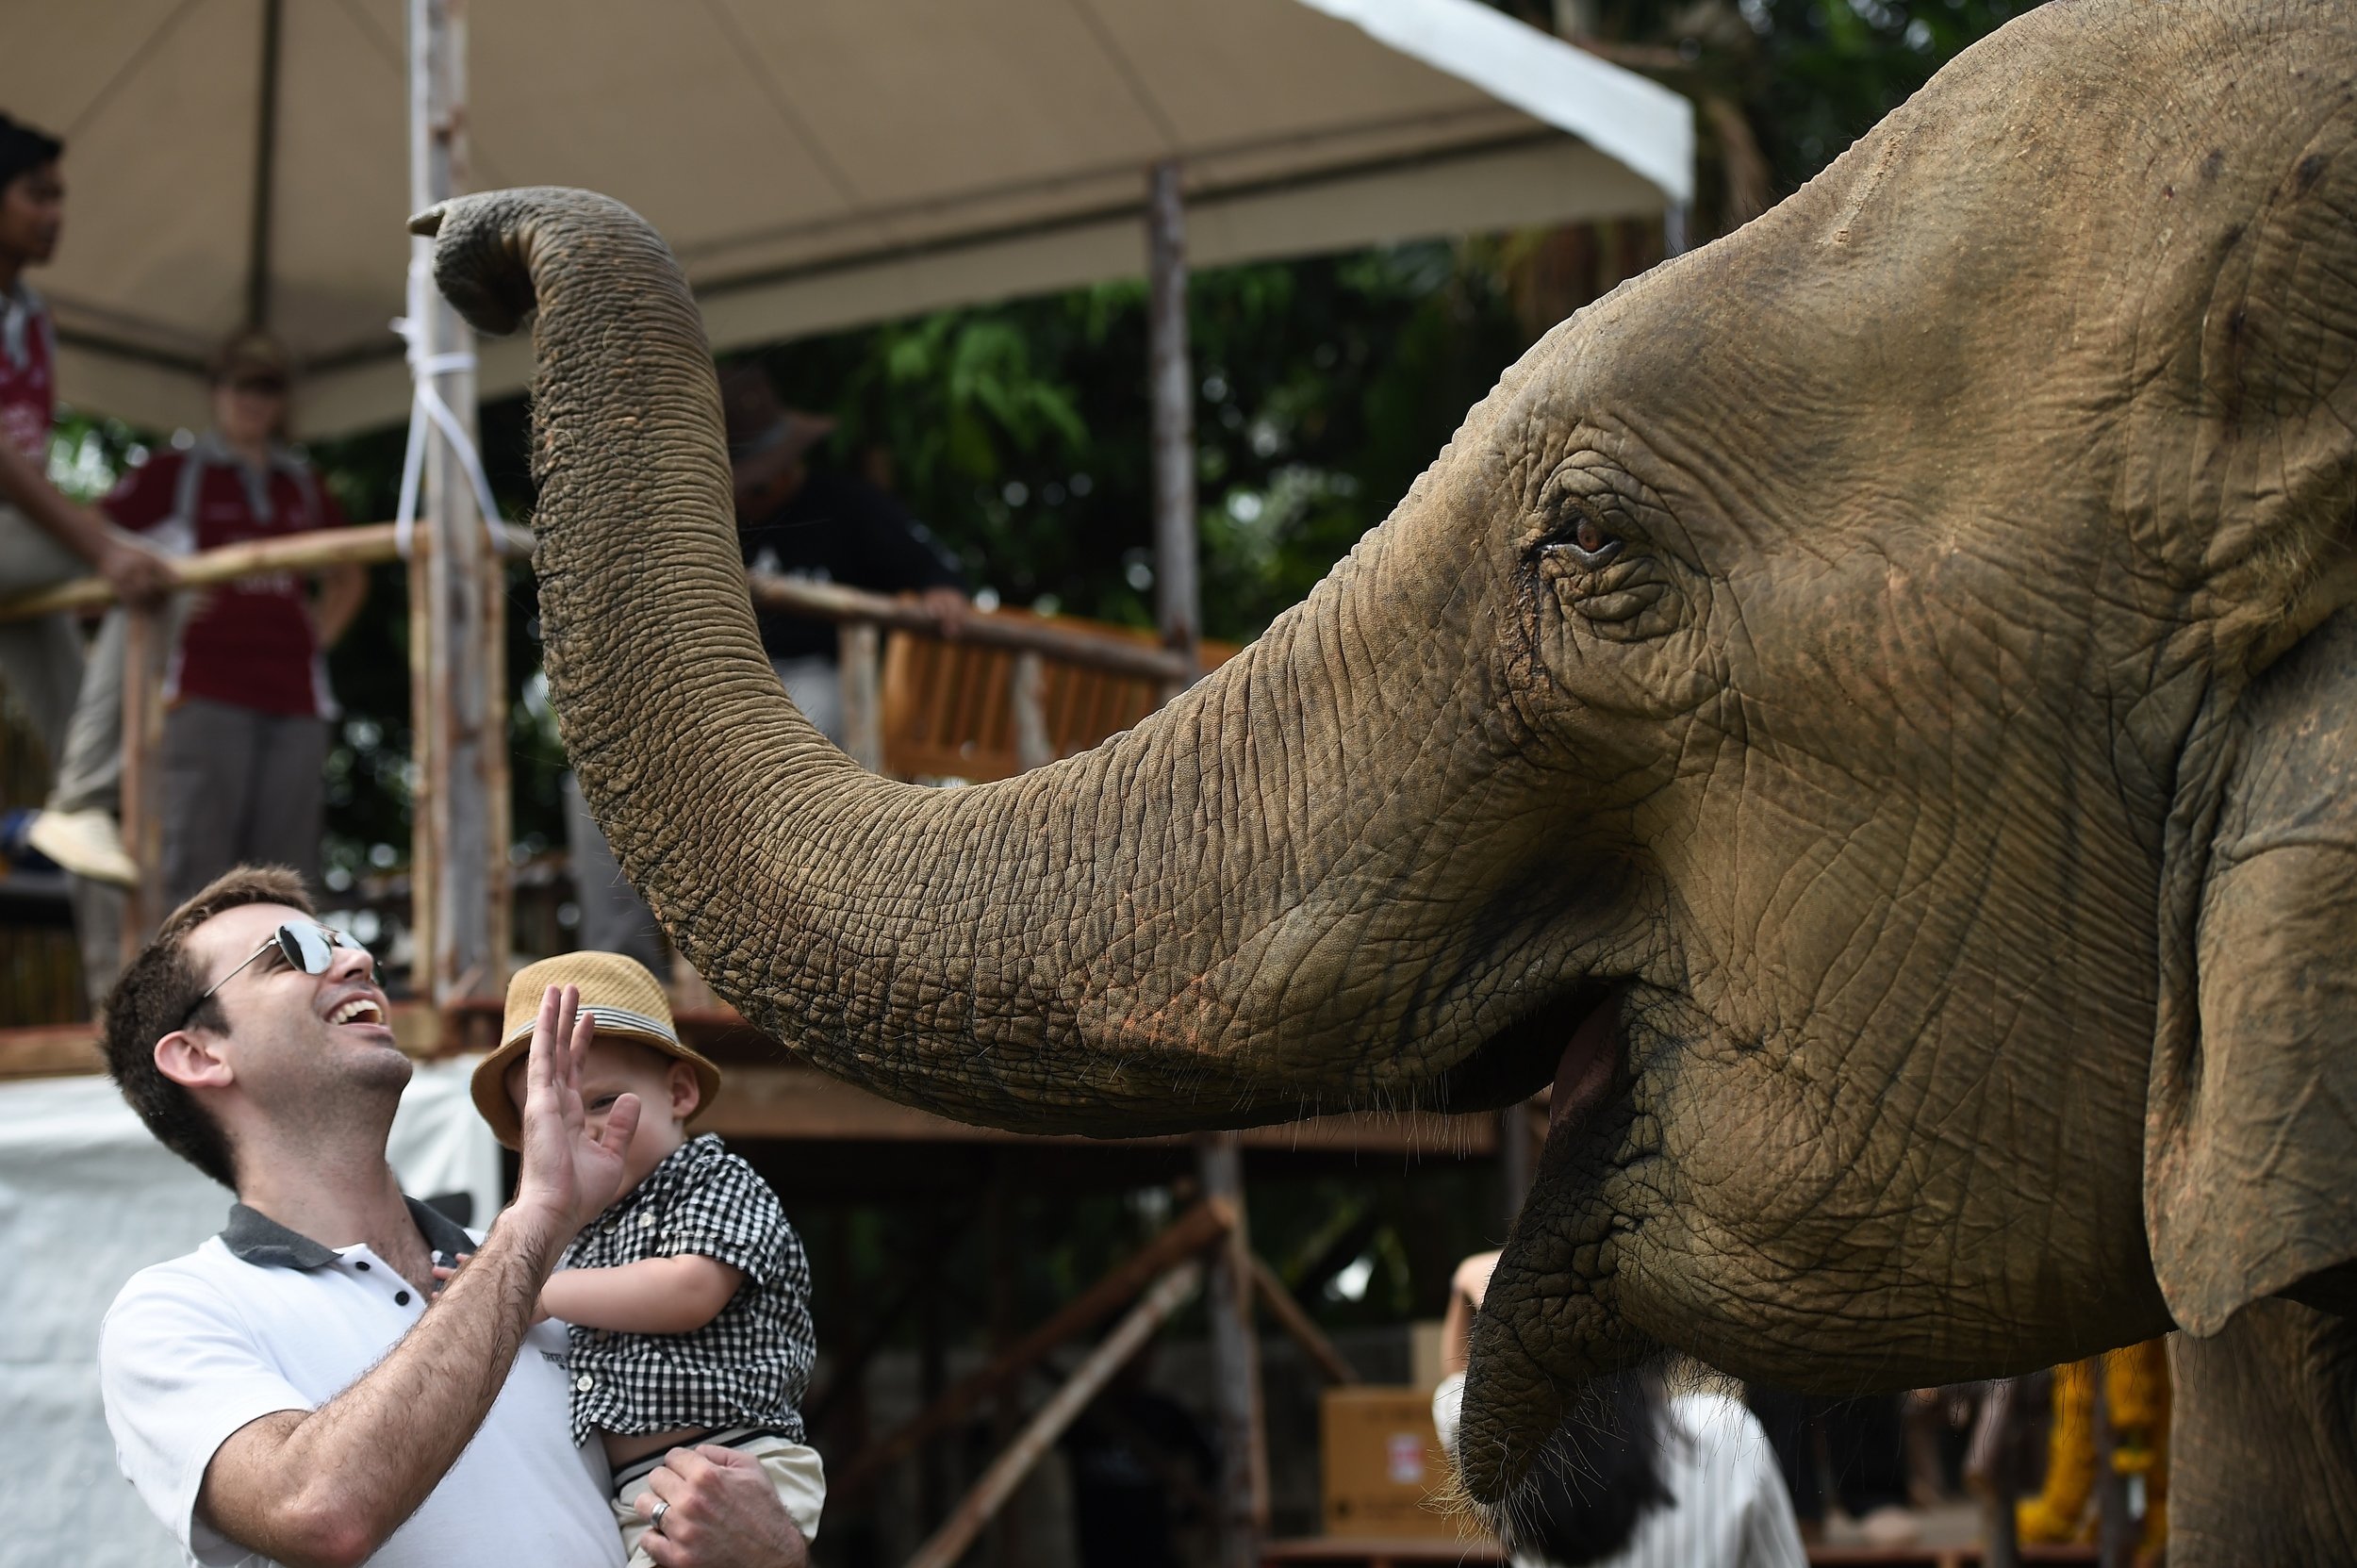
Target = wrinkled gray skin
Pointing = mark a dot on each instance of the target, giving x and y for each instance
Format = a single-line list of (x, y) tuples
[(1862, 709)]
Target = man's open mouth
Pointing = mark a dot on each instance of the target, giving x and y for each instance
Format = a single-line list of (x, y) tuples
[(360, 1009)]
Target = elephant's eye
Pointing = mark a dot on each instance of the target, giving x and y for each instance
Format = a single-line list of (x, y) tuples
[(1589, 544)]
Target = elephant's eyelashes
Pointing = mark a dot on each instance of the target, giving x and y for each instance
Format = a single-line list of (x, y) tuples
[(1589, 546)]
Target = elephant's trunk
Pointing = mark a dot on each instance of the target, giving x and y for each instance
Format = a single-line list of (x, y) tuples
[(1179, 929)]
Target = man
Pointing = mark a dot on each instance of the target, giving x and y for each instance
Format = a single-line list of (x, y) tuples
[(46, 539), (293, 1391)]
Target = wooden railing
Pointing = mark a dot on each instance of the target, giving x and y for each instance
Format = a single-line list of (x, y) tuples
[(861, 617)]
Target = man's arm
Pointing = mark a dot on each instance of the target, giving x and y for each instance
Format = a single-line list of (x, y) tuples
[(138, 572), (342, 590), (328, 1486), (654, 1295)]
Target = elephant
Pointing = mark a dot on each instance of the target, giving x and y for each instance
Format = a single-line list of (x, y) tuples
[(1862, 710)]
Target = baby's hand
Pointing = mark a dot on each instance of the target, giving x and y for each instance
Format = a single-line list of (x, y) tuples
[(445, 1273)]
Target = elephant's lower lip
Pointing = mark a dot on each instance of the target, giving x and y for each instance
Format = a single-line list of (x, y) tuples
[(1584, 1076)]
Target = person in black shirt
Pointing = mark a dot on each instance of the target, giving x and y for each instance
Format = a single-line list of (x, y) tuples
[(798, 520)]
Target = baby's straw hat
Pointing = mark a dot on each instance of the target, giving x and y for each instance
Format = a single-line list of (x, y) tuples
[(625, 1001)]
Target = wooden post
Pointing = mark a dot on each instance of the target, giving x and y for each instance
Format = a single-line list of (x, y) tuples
[(1235, 1361), (1996, 1453), (460, 873), (859, 661), (1006, 1473), (1187, 1235), (1178, 600), (2114, 1530), (1290, 1316), (1027, 699), (144, 632)]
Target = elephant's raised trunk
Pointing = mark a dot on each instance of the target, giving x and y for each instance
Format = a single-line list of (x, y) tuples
[(1182, 928)]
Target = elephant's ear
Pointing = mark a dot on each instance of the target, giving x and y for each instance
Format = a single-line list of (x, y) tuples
[(2250, 1142)]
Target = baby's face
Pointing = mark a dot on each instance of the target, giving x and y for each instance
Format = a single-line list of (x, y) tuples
[(667, 1091)]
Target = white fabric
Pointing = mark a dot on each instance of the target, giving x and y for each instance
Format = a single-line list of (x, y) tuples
[(1641, 122), (197, 1347), (815, 165), (1729, 1509), (87, 1198)]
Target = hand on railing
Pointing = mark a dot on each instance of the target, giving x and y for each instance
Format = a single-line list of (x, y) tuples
[(136, 570), (949, 608)]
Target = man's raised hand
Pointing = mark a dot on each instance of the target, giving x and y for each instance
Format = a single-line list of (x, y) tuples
[(568, 1176)]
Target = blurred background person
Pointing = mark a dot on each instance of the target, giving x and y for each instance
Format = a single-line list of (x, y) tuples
[(794, 519), (46, 537), (246, 696), (1635, 1478)]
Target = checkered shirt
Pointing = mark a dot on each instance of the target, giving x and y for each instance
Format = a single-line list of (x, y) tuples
[(749, 1365)]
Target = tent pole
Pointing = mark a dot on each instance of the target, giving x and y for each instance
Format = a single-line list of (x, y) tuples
[(1178, 601), (459, 884), (1178, 609), (265, 172)]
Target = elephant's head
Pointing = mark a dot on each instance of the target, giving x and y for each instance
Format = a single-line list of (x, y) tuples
[(1859, 710)]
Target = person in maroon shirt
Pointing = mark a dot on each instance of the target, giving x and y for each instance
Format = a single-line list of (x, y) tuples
[(46, 537), (246, 694)]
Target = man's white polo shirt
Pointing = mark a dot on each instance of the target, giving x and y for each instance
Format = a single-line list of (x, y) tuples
[(260, 1319)]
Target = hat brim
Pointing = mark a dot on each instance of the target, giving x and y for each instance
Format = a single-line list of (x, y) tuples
[(488, 1084)]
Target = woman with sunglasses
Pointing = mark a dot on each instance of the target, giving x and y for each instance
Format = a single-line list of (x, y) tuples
[(245, 689)]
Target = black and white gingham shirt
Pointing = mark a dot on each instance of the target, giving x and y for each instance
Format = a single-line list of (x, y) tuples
[(749, 1365)]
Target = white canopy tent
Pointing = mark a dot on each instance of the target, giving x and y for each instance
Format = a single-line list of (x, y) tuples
[(814, 166)]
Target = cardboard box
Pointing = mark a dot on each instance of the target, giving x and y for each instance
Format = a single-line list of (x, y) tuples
[(1382, 1464)]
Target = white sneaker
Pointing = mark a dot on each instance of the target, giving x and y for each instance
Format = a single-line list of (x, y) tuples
[(87, 843)]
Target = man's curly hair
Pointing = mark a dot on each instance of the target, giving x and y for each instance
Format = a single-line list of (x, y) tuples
[(154, 997)]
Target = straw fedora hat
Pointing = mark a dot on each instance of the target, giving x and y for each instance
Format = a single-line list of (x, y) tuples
[(626, 1001)]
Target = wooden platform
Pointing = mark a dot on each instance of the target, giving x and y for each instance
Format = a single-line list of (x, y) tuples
[(772, 1095)]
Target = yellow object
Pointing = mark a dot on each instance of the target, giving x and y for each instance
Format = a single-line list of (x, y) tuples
[(2136, 1390)]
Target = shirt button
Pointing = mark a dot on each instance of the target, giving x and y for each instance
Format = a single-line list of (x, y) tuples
[(584, 1382), (401, 1298), (362, 1264)]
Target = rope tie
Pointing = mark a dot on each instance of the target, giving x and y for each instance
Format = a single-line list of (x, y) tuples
[(428, 408)]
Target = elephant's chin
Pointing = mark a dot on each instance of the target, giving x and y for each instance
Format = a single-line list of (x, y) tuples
[(1544, 1329)]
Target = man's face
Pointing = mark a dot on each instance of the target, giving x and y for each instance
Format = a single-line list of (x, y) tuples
[(300, 1046), (32, 213)]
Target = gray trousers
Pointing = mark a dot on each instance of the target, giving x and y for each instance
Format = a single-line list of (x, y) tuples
[(40, 660), (239, 787), (613, 918)]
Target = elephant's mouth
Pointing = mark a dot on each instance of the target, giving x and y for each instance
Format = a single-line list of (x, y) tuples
[(1570, 1041)]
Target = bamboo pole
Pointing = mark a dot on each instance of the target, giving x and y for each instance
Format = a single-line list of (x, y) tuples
[(1177, 604), (859, 659), (1190, 1234), (997, 1484), (1235, 1361), (458, 855), (367, 544), (1092, 649), (1287, 1309), (146, 628), (1034, 748)]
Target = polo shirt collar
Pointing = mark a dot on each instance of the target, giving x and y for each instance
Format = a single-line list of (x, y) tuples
[(253, 1237)]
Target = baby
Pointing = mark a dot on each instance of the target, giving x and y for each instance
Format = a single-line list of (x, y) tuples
[(688, 1300)]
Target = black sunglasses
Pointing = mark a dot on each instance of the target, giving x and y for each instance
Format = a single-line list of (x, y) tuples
[(305, 945)]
